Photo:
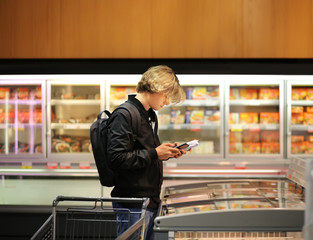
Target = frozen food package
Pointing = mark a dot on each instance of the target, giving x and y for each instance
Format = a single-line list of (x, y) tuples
[(309, 95), (234, 93), (235, 137), (269, 93), (233, 118), (4, 93), (308, 118), (250, 136), (197, 117), (269, 147), (235, 148), (269, 136), (298, 109), (269, 117), (251, 148), (298, 147), (248, 118), (297, 118), (298, 93), (212, 92), (211, 116), (199, 93), (249, 94), (297, 138)]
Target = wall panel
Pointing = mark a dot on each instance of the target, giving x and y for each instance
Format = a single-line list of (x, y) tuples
[(156, 29)]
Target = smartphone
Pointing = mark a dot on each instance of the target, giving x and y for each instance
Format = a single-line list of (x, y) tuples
[(182, 146)]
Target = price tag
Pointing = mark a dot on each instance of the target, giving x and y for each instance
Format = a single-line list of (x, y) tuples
[(52, 165), (84, 166), (254, 128), (236, 128), (310, 129)]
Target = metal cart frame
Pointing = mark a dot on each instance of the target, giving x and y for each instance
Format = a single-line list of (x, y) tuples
[(98, 221)]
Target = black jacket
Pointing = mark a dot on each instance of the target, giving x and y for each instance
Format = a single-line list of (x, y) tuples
[(139, 171)]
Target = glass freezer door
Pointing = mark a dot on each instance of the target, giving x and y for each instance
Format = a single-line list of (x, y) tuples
[(72, 107), (22, 117), (254, 117), (300, 117)]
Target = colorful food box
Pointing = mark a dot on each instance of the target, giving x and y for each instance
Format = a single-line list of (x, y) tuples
[(4, 93), (213, 92), (296, 109), (269, 93), (309, 148), (270, 147), (235, 148), (296, 138), (251, 148), (197, 117), (199, 93), (234, 93), (297, 118), (298, 93), (269, 136), (23, 93), (269, 117), (298, 147), (249, 94), (248, 118), (307, 118), (309, 109), (233, 118), (211, 116), (235, 137), (309, 95), (250, 136)]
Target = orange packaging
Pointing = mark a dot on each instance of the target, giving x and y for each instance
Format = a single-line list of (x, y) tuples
[(38, 93), (118, 93), (250, 136), (233, 118), (298, 93), (270, 147), (309, 148), (234, 93), (298, 147), (248, 93), (37, 116), (309, 109), (307, 118), (295, 139), (297, 118), (2, 116), (213, 92), (269, 136), (248, 118), (23, 116), (269, 117), (251, 148), (199, 93), (309, 95), (234, 137), (4, 93), (296, 109), (269, 93), (23, 93), (235, 148), (310, 138)]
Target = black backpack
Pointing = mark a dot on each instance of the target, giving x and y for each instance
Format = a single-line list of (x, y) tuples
[(99, 140)]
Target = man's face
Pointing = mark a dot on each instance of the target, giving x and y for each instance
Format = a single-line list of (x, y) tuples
[(158, 101)]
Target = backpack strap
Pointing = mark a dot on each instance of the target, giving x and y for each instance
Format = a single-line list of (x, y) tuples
[(134, 114)]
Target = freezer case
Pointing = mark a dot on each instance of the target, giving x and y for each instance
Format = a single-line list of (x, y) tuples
[(232, 209), (73, 104), (22, 120), (254, 117)]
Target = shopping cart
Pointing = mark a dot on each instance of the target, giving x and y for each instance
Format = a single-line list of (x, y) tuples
[(92, 218)]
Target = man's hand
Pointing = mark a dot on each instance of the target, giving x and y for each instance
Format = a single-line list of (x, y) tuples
[(168, 150)]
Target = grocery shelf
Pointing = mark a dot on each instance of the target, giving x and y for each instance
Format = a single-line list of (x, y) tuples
[(70, 125), (255, 102), (254, 127), (74, 102), (188, 126), (301, 103)]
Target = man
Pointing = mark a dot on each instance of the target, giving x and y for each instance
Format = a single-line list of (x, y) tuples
[(138, 164)]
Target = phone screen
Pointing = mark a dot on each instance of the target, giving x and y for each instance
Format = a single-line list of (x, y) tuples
[(182, 146)]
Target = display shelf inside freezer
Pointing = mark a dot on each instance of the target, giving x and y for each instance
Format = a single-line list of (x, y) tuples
[(73, 106), (22, 119), (254, 119)]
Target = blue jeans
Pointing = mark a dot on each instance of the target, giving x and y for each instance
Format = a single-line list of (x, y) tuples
[(128, 216)]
